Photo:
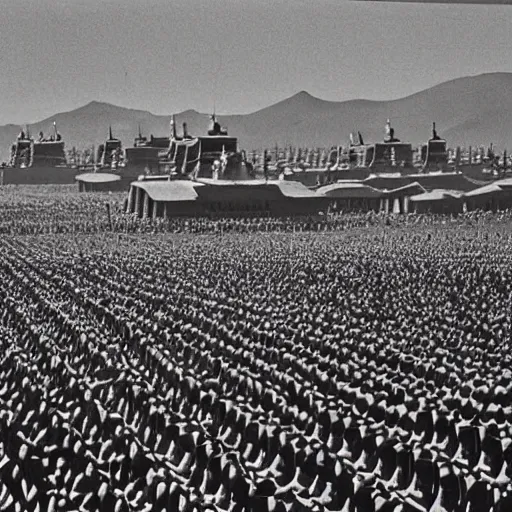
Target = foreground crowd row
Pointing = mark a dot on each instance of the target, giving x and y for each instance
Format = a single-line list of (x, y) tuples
[(280, 372), (59, 213), (28, 210)]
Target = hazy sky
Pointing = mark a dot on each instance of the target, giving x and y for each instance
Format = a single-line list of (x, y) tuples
[(171, 55)]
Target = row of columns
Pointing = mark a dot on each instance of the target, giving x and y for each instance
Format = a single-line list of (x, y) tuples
[(84, 186), (395, 204), (140, 203), (383, 205), (134, 200)]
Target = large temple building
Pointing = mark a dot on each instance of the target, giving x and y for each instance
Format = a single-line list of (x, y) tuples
[(434, 154), (184, 157), (209, 175), (391, 155), (215, 155), (38, 161), (207, 197), (359, 161), (110, 154), (399, 193), (143, 157)]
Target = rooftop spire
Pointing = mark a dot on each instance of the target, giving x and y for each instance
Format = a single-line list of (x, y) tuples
[(434, 132), (173, 127), (390, 133), (215, 128)]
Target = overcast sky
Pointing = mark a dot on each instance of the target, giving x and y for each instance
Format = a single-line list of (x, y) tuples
[(171, 55)]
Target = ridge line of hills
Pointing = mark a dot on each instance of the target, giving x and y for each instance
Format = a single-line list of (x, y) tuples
[(468, 111)]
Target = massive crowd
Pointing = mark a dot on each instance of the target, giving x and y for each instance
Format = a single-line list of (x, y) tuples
[(48, 211), (360, 369)]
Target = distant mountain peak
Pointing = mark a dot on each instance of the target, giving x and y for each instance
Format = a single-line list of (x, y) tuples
[(304, 96), (97, 104), (468, 110), (191, 111)]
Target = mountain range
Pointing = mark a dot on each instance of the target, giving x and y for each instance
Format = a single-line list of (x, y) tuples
[(468, 111)]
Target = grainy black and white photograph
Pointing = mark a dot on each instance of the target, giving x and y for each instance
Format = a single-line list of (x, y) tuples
[(255, 256)]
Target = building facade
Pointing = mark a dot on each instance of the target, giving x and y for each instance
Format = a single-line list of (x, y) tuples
[(222, 198)]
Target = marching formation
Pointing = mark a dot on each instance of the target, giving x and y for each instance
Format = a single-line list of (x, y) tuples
[(63, 210), (284, 372), (59, 209)]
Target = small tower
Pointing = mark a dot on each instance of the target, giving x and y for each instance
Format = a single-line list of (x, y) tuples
[(389, 132), (173, 127)]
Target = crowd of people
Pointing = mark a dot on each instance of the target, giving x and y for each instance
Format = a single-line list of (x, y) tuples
[(368, 370), (30, 211)]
